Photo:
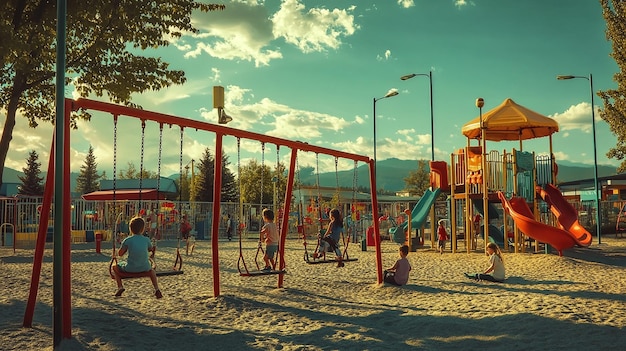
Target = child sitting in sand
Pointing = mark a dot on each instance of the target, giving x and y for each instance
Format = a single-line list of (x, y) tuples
[(496, 266), (399, 273), (269, 236), (138, 261)]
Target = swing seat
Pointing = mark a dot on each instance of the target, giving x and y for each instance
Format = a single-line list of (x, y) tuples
[(262, 272), (309, 261), (131, 275)]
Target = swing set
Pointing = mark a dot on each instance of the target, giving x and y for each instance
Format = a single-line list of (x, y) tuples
[(345, 239), (57, 186)]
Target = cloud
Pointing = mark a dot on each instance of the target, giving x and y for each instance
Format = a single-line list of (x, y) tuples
[(461, 3), (314, 30), (247, 31), (406, 3), (576, 117), (385, 56)]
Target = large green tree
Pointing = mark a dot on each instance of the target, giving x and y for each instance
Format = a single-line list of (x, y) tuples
[(255, 177), (88, 179), (614, 111), (106, 53), (32, 180)]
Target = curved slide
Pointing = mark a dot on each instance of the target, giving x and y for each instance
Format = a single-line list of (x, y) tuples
[(565, 213), (418, 214), (523, 217)]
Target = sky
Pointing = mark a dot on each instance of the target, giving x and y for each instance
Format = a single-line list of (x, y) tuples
[(310, 70)]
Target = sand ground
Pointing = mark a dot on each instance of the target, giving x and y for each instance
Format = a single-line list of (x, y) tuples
[(574, 302)]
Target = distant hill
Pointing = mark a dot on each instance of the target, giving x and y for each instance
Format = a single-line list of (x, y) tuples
[(391, 174)]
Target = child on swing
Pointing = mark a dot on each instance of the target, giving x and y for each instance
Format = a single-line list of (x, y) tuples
[(331, 238), (269, 236), (138, 261)]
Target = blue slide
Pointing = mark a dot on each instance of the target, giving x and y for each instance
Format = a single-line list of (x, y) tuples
[(418, 215)]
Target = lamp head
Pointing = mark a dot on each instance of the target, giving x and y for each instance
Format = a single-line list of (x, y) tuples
[(480, 102), (564, 77), (223, 117), (390, 93), (408, 76)]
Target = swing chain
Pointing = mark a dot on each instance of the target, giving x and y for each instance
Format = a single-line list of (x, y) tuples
[(143, 133)]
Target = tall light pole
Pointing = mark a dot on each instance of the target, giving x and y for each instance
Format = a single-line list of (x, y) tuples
[(389, 94), (432, 120), (595, 152)]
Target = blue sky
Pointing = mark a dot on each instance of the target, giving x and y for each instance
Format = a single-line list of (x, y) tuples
[(309, 70)]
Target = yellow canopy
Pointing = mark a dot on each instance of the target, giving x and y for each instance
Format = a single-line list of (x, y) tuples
[(511, 121)]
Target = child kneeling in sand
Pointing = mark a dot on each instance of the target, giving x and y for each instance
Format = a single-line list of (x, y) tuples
[(138, 261), (399, 273), (496, 266)]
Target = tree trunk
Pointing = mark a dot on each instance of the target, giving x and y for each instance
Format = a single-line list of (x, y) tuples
[(19, 85)]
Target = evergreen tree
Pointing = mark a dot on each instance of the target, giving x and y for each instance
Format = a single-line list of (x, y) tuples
[(88, 178), (204, 181), (109, 44), (31, 181), (133, 173), (230, 190), (614, 111)]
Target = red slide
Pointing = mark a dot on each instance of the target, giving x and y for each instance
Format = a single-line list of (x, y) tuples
[(565, 213), (523, 217)]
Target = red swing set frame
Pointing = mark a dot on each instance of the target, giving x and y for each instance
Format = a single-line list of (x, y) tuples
[(62, 239)]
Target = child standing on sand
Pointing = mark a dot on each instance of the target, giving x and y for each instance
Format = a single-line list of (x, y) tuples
[(399, 273), (269, 236), (496, 266), (442, 236)]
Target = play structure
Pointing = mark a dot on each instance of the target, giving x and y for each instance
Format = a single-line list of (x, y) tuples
[(477, 178), (57, 186), (417, 219)]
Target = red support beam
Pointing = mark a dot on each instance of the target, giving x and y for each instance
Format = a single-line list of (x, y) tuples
[(285, 219), (217, 187)]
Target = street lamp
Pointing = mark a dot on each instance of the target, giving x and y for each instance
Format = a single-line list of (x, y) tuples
[(595, 153), (432, 120), (390, 93)]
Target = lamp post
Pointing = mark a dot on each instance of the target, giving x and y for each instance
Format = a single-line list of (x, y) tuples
[(432, 120), (389, 94), (595, 153)]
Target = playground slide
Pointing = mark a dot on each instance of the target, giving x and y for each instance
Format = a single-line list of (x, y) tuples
[(495, 234), (565, 213), (523, 217), (419, 214), (422, 208)]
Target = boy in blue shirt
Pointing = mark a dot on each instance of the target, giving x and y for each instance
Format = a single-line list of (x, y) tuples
[(138, 260)]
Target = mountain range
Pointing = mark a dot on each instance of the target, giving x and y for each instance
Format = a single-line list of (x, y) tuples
[(391, 174)]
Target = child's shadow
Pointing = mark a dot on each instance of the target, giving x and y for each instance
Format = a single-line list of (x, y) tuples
[(514, 280)]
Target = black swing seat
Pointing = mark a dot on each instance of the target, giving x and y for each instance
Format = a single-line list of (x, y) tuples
[(261, 272), (129, 275), (323, 259)]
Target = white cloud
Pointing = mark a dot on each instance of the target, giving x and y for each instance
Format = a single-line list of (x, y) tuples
[(406, 3), (247, 31), (460, 3), (576, 117), (314, 30)]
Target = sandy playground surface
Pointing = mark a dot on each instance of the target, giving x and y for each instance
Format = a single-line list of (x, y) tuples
[(574, 302)]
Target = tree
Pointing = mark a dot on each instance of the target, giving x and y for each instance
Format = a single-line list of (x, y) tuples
[(255, 176), (203, 183), (419, 180), (88, 178), (133, 173), (31, 181), (105, 44), (614, 111)]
